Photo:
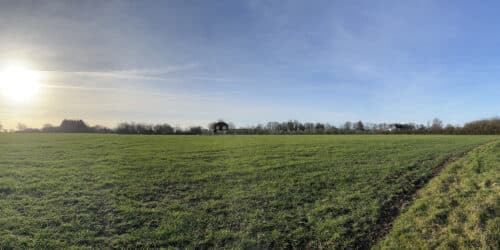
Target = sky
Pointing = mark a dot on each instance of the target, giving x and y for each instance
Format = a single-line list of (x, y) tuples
[(192, 62)]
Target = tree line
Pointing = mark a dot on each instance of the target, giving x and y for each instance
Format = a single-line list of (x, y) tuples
[(485, 126), (80, 126)]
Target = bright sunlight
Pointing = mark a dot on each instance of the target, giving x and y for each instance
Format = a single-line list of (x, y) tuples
[(19, 84)]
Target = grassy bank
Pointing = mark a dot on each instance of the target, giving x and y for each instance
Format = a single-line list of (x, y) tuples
[(457, 210)]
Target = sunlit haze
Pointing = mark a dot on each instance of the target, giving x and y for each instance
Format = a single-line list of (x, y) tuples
[(19, 84)]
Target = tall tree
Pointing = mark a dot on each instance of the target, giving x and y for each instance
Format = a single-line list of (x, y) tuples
[(21, 126), (348, 126), (437, 125), (359, 126)]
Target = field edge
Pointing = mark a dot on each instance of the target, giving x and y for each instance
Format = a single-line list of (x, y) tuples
[(405, 199), (458, 166)]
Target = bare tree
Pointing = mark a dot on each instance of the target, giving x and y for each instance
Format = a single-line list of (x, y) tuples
[(309, 127), (487, 126), (359, 126), (163, 129), (348, 126), (21, 126), (449, 129), (319, 128), (437, 125), (48, 128)]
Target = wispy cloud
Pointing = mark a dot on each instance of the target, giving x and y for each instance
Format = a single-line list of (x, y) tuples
[(153, 74), (220, 79), (136, 92)]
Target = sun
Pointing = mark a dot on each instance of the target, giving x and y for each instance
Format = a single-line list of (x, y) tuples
[(19, 84)]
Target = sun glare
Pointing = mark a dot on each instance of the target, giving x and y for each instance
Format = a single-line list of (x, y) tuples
[(19, 84)]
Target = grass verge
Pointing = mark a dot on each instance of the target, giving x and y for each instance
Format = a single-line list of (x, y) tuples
[(457, 210)]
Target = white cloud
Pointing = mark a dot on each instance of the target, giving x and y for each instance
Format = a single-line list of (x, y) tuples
[(153, 74)]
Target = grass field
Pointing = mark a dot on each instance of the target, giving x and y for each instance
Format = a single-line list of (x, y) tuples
[(101, 191)]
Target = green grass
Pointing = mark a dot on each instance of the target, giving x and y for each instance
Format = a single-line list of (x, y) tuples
[(101, 191), (457, 210)]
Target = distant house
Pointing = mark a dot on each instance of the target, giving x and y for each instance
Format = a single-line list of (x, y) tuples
[(399, 127), (391, 128), (73, 126), (220, 127)]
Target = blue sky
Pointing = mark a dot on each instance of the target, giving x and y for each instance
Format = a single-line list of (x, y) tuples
[(191, 62)]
